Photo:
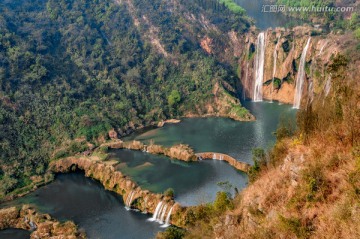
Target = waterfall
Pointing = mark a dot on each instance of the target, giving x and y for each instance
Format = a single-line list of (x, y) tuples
[(274, 68), (157, 210), (129, 200), (259, 66), (167, 222), (300, 77), (221, 157), (162, 216), (214, 156)]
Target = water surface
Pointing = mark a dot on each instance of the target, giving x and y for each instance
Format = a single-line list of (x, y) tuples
[(99, 212), (259, 11), (222, 135), (193, 183), (14, 234)]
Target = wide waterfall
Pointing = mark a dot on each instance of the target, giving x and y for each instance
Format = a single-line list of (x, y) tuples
[(274, 68), (301, 77), (259, 67)]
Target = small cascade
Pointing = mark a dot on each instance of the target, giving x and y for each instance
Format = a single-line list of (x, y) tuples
[(301, 76), (221, 157), (327, 86), (129, 200), (162, 216), (167, 222), (214, 156), (259, 67), (157, 211), (275, 55)]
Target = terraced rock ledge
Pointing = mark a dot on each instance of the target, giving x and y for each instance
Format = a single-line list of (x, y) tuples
[(104, 171), (42, 225)]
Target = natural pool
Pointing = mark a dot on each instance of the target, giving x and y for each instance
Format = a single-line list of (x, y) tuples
[(102, 214), (222, 135), (193, 183)]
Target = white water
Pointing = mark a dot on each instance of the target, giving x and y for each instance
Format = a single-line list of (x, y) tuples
[(301, 77), (157, 210), (129, 200), (214, 156), (259, 67), (162, 217), (167, 222), (274, 68)]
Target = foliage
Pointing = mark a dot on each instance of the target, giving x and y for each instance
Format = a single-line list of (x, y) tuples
[(259, 158), (75, 69), (222, 202), (169, 193), (233, 6), (171, 233)]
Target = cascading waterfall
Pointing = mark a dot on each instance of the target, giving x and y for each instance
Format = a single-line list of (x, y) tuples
[(214, 156), (156, 213), (167, 222), (259, 67), (162, 217), (300, 77), (274, 68), (129, 200)]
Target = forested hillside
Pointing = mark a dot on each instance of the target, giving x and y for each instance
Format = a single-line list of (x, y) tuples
[(74, 69)]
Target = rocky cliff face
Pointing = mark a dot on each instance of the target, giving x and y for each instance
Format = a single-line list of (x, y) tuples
[(41, 225), (288, 46)]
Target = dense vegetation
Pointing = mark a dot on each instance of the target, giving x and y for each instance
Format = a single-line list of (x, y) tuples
[(73, 69), (331, 18)]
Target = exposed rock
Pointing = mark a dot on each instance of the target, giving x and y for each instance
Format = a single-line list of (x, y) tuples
[(224, 157), (42, 225), (113, 134)]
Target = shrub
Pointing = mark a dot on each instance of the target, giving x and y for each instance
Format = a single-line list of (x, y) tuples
[(171, 233), (222, 202), (169, 193)]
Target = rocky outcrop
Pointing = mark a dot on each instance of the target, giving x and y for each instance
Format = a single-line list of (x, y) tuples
[(42, 225), (224, 157), (223, 105), (180, 152), (104, 171)]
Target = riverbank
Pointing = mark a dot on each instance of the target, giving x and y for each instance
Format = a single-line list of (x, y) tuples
[(41, 225)]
